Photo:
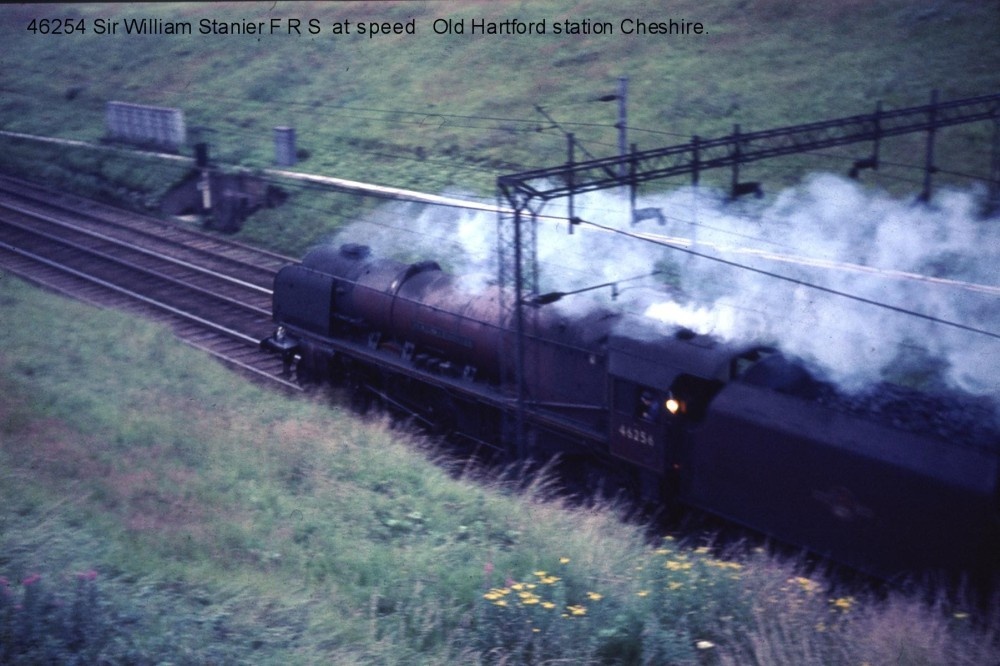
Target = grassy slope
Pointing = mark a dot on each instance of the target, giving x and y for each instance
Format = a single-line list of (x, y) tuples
[(433, 111), (227, 524), (216, 526), (174, 478)]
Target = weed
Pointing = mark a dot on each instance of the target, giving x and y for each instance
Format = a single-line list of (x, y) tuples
[(233, 525), (42, 625)]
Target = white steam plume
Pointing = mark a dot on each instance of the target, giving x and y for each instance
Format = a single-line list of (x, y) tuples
[(940, 259)]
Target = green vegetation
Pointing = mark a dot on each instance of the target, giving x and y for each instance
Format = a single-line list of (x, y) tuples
[(159, 508), (432, 112)]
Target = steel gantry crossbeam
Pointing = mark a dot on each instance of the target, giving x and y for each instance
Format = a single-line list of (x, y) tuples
[(738, 148)]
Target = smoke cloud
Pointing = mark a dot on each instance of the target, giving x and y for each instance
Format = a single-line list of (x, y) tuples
[(939, 259)]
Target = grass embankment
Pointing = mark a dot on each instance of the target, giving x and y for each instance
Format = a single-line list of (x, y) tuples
[(430, 112), (158, 508)]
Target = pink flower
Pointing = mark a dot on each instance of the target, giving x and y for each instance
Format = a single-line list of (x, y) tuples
[(488, 568), (32, 579), (89, 574)]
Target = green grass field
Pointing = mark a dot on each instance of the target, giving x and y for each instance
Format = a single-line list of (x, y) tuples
[(158, 509), (434, 111)]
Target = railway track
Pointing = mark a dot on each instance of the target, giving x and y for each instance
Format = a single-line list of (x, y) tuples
[(214, 293)]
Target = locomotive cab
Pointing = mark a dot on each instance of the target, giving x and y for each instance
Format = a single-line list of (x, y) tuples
[(659, 389)]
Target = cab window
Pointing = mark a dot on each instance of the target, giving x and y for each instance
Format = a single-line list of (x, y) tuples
[(637, 401)]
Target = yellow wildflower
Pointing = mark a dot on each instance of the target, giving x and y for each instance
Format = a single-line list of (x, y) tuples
[(675, 565), (722, 564), (594, 596), (642, 593), (843, 603), (805, 583), (674, 585), (576, 610), (548, 605), (500, 602), (563, 560), (541, 574)]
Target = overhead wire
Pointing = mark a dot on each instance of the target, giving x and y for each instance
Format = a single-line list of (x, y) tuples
[(434, 114), (797, 281), (769, 273)]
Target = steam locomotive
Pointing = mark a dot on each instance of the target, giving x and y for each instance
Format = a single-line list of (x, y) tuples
[(891, 482)]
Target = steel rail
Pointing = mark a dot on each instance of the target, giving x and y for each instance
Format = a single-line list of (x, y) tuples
[(235, 343), (99, 212), (158, 305), (128, 292), (153, 253), (141, 269)]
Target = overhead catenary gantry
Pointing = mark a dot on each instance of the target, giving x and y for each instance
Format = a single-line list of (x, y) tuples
[(522, 196), (738, 148)]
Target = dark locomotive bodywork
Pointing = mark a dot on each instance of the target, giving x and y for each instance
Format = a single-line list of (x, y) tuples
[(680, 417)]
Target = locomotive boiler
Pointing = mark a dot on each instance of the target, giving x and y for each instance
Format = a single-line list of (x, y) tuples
[(889, 482)]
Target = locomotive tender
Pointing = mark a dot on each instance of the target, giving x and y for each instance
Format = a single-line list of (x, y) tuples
[(740, 432)]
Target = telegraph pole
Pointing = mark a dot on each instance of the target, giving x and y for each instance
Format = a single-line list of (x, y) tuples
[(622, 123), (993, 205), (929, 167)]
